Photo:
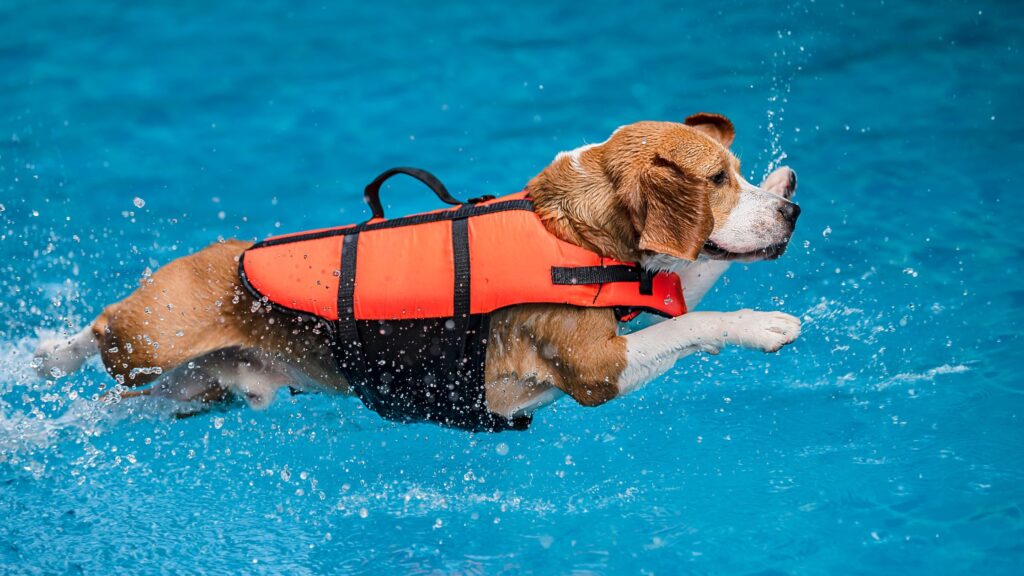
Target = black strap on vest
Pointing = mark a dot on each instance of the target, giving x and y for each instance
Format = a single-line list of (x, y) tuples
[(350, 353), (372, 192), (604, 275), (460, 251)]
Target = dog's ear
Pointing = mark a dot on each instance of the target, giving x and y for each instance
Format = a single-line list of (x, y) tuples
[(677, 218), (715, 125)]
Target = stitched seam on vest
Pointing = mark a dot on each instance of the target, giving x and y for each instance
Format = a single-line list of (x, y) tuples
[(465, 211)]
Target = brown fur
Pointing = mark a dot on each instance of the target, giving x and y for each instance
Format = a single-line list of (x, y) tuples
[(647, 189), (196, 305), (574, 349)]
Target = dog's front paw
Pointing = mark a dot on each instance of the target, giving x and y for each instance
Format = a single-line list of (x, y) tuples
[(765, 331)]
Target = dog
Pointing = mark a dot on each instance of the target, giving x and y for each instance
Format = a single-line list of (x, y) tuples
[(668, 196)]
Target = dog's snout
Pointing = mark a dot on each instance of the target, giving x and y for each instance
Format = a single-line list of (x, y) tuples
[(790, 212)]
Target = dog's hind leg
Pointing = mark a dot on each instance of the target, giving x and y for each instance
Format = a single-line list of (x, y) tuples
[(188, 308), (59, 356), (245, 373), (221, 376)]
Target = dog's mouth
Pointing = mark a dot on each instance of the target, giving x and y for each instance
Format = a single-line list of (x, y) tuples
[(716, 252)]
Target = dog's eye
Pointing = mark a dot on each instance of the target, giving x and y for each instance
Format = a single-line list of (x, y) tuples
[(719, 178)]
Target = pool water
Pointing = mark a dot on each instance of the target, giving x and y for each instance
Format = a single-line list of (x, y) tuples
[(886, 440)]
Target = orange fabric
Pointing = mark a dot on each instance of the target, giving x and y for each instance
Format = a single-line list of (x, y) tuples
[(301, 276), (408, 272), (508, 256), (511, 255), (400, 272)]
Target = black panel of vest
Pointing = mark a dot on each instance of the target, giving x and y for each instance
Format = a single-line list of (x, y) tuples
[(423, 370)]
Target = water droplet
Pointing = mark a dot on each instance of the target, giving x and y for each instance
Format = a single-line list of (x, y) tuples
[(501, 449)]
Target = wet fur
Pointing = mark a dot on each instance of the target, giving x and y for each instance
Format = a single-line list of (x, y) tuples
[(643, 195)]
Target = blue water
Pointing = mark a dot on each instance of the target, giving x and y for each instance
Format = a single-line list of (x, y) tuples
[(887, 440)]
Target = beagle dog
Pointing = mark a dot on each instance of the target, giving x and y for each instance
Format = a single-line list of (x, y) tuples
[(666, 195)]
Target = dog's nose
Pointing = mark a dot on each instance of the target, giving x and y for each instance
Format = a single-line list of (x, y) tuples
[(790, 212)]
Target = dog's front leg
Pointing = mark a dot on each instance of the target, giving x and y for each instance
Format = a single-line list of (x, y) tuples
[(652, 351)]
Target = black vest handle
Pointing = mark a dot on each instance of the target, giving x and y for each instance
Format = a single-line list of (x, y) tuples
[(372, 192)]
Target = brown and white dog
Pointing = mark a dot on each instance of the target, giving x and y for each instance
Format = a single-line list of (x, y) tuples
[(667, 195)]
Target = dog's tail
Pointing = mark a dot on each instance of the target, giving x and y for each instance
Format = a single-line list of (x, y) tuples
[(62, 355)]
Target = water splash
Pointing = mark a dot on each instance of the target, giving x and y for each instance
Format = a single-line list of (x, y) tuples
[(787, 60)]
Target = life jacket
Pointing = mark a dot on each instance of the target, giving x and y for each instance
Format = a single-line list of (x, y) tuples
[(406, 302)]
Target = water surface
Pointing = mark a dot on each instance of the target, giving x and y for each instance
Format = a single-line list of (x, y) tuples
[(886, 440)]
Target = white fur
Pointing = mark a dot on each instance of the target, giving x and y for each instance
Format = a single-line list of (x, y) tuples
[(697, 277), (574, 154), (241, 372), (246, 374), (754, 223), (541, 397), (652, 351), (59, 356)]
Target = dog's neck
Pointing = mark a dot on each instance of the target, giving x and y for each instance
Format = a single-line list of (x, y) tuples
[(577, 203)]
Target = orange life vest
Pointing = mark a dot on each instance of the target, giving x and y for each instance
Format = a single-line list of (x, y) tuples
[(406, 300)]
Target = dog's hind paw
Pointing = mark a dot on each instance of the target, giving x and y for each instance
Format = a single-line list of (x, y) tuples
[(56, 357)]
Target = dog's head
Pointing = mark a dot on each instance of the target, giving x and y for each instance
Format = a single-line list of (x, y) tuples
[(684, 192), (665, 192)]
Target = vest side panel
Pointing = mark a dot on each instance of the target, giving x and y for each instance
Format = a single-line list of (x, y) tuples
[(405, 272), (511, 255), (301, 276)]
